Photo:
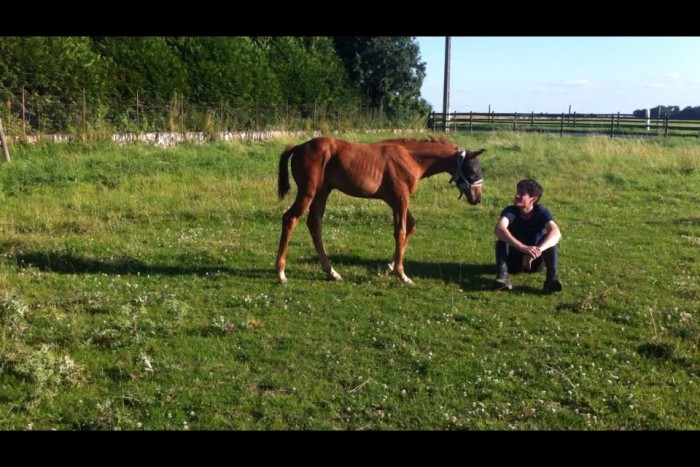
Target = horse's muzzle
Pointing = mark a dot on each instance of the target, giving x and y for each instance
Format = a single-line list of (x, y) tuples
[(471, 191)]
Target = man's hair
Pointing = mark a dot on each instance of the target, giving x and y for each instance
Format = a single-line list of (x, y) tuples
[(531, 187)]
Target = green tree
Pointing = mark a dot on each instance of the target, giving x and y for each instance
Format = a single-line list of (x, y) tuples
[(147, 65), (388, 70), (230, 74), (689, 113), (309, 72), (149, 77), (232, 68), (58, 75)]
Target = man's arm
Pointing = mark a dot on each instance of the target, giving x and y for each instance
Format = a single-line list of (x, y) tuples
[(503, 234), (551, 238)]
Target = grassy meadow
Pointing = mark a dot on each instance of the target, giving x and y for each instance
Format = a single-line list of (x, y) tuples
[(138, 292)]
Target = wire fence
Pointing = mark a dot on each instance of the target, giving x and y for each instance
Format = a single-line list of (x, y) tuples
[(613, 125), (36, 115), (30, 117)]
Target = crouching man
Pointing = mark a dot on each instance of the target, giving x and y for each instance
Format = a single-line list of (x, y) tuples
[(527, 238)]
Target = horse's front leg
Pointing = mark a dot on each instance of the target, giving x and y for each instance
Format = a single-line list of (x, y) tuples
[(410, 229), (315, 223), (400, 237)]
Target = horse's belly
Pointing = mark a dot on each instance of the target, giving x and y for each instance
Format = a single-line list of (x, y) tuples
[(359, 176), (367, 188)]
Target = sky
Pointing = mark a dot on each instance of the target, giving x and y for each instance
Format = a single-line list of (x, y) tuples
[(562, 74)]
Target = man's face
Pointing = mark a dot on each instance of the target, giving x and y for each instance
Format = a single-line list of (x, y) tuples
[(523, 200)]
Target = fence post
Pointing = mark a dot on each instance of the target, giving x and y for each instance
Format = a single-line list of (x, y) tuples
[(138, 126), (574, 120), (24, 120), (84, 113), (647, 115), (221, 114), (612, 125), (666, 126), (3, 141), (561, 128), (515, 117), (532, 118), (471, 113)]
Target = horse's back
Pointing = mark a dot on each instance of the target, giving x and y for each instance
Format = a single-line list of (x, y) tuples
[(313, 154), (325, 148)]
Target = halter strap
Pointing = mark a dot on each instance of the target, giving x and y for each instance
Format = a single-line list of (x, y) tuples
[(462, 158)]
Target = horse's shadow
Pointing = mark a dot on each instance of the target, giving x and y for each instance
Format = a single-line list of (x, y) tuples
[(68, 263), (467, 276)]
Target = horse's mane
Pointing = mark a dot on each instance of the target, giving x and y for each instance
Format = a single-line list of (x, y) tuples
[(438, 139), (428, 139)]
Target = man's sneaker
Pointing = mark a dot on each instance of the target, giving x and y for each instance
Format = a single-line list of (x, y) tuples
[(552, 286), (503, 282)]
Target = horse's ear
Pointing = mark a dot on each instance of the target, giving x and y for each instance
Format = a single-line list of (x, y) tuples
[(473, 154)]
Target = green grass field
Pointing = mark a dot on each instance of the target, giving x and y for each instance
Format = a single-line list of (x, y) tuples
[(138, 292)]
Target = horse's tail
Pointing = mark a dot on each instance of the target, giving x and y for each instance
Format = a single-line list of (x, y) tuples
[(283, 176)]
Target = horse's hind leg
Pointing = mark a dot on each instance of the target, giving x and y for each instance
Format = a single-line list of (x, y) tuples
[(410, 229), (315, 223), (290, 219)]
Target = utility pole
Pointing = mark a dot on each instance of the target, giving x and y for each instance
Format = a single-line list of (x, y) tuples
[(446, 89)]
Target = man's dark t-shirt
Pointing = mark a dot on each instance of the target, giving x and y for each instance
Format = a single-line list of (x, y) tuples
[(529, 231)]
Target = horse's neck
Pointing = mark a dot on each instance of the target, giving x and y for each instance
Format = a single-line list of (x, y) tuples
[(434, 164)]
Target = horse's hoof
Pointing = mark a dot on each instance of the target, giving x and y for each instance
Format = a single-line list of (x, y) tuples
[(283, 279), (407, 281), (389, 269), (334, 276)]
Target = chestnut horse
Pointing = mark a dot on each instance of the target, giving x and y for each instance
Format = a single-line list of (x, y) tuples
[(389, 170)]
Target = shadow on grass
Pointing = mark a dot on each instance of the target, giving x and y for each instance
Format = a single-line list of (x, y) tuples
[(63, 263), (466, 276), (666, 352), (656, 351)]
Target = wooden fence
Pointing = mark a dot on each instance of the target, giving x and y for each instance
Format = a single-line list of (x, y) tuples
[(613, 125)]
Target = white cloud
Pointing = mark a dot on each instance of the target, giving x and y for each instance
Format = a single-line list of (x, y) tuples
[(577, 82)]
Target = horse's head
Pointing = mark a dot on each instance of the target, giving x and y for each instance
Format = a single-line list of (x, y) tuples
[(438, 155), (469, 177)]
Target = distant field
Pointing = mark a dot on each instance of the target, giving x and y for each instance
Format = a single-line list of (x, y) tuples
[(138, 292)]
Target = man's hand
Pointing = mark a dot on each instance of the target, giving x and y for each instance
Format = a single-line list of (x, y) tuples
[(530, 254)]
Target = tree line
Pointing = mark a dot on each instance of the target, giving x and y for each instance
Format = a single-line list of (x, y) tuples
[(75, 84), (672, 111)]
